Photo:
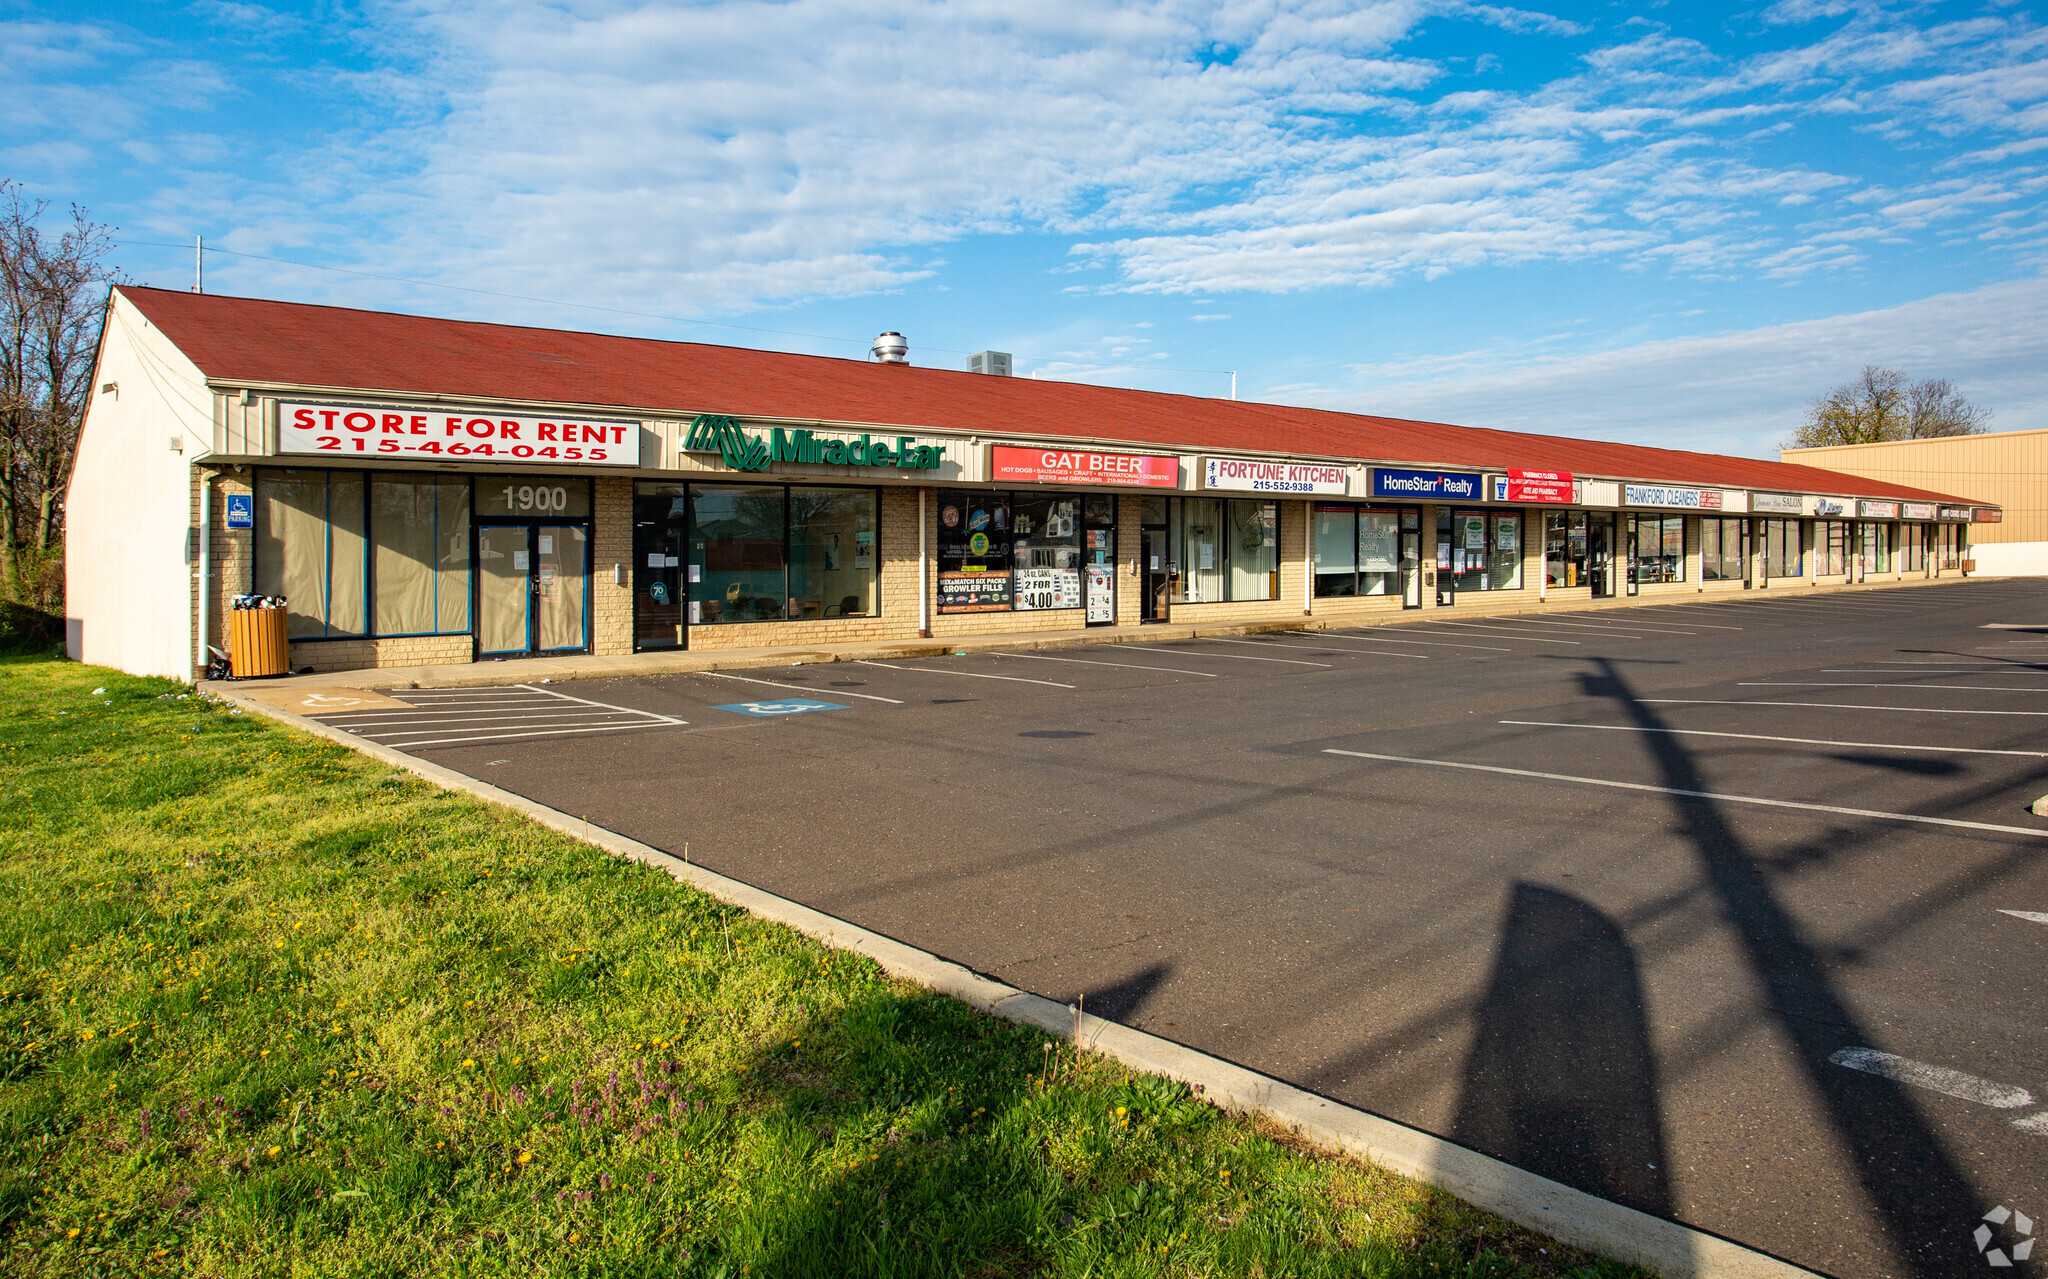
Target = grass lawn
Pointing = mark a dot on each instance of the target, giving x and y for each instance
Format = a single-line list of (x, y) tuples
[(274, 1008)]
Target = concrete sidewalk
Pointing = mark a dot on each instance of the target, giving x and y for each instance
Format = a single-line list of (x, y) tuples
[(528, 670)]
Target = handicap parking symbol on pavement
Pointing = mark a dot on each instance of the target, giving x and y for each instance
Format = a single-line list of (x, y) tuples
[(787, 706)]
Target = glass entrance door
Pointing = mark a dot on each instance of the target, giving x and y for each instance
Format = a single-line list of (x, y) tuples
[(1600, 556), (1158, 576), (533, 588), (1633, 560)]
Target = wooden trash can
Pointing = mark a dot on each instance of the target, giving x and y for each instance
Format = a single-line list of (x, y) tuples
[(257, 644)]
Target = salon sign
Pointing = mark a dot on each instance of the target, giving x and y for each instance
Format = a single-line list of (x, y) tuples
[(439, 435)]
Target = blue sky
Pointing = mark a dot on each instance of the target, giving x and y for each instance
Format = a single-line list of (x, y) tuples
[(1665, 224)]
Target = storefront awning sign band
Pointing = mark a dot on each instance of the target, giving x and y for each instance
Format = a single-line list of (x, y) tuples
[(1667, 496), (1241, 475), (437, 435), (1555, 487), (717, 433), (1458, 485), (1008, 464)]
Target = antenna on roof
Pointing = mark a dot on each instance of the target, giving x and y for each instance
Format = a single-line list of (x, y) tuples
[(199, 264), (1233, 384)]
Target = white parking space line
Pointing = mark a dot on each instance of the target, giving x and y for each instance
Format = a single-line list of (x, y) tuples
[(1996, 668), (1941, 1079), (1128, 666), (500, 737), (2033, 916), (1758, 800), (1824, 706), (1244, 657), (927, 670), (1362, 639), (1538, 636), (1968, 688), (1764, 737), (1631, 629), (1687, 618), (454, 719), (1312, 648), (801, 688)]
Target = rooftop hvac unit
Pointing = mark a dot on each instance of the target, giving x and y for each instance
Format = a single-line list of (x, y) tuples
[(996, 363), (890, 348)]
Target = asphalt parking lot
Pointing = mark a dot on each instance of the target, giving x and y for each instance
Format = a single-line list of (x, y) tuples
[(1733, 912)]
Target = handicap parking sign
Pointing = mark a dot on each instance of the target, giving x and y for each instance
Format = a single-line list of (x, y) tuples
[(241, 510), (787, 706)]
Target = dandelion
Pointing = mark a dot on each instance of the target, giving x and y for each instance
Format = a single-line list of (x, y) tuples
[(272, 1152), (526, 1156), (469, 1063)]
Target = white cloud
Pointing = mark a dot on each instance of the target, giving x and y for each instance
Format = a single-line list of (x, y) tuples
[(1734, 392)]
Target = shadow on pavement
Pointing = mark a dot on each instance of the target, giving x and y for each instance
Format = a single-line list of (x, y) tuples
[(1921, 1198), (1560, 1079)]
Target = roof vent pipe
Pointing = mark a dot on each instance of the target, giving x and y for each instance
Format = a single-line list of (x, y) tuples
[(890, 348)]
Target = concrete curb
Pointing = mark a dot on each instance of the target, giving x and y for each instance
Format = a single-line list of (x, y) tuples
[(1569, 1216)]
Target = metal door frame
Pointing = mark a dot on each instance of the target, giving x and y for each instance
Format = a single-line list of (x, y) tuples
[(532, 529)]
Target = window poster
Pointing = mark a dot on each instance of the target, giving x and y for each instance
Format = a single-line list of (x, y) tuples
[(974, 592), (1379, 542), (1507, 534), (1102, 592), (1475, 532), (1044, 588)]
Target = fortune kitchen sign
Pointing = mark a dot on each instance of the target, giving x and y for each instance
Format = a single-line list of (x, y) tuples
[(1241, 475)]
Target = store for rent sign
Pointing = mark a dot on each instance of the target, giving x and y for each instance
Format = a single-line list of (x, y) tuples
[(437, 435), (1534, 486), (1240, 475), (1064, 466)]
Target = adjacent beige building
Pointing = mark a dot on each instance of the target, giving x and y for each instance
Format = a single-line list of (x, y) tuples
[(2009, 468)]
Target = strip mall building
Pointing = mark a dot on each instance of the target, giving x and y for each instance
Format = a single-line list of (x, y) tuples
[(430, 491)]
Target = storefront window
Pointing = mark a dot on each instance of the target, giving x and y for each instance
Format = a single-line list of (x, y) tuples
[(1479, 550), (1336, 549), (832, 552), (1830, 548), (1783, 554), (1660, 547), (1564, 548), (1379, 552), (1724, 550), (311, 549), (737, 545), (1504, 556), (1045, 551), (1225, 549), (1913, 548), (419, 554), (1254, 549), (1877, 548)]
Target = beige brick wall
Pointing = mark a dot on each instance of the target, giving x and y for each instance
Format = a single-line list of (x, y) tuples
[(611, 566)]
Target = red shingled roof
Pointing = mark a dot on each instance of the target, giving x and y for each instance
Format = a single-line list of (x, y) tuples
[(249, 340)]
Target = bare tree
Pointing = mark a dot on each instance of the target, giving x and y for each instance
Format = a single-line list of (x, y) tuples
[(1882, 404), (53, 291), (1936, 407)]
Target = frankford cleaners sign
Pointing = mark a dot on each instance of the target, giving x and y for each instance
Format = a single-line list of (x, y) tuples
[(1454, 484)]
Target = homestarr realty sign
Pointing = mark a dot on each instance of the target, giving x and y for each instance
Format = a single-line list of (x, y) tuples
[(711, 432)]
